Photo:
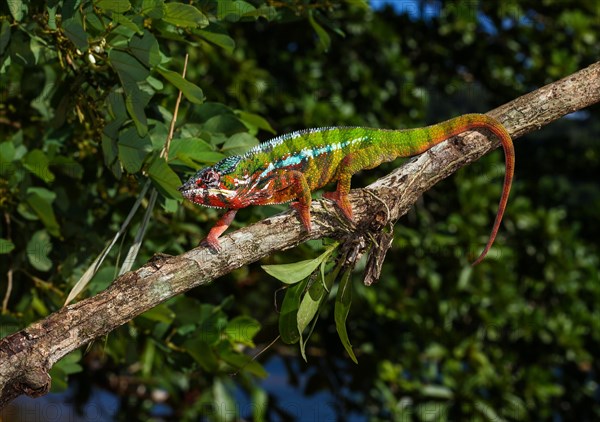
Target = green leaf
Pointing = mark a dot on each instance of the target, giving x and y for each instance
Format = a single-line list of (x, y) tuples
[(127, 66), (63, 368), (191, 91), (110, 152), (313, 300), (233, 11), (288, 319), (363, 4), (124, 22), (16, 9), (224, 123), (252, 120), (342, 307), (154, 9), (7, 154), (184, 15), (131, 71), (36, 162), (202, 353), (116, 106), (160, 313), (241, 361), (239, 143), (216, 37), (191, 151), (297, 271), (321, 33), (209, 109), (119, 6), (437, 392), (75, 32), (4, 36), (164, 179), (133, 149), (40, 200), (242, 329), (260, 404), (225, 409), (135, 102), (307, 311), (145, 49), (6, 246), (38, 248)]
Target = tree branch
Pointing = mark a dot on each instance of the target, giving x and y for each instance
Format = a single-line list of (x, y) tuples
[(27, 356)]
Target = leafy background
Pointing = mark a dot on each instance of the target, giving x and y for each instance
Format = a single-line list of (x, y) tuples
[(88, 91)]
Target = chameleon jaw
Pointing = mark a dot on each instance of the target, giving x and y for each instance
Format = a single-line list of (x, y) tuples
[(215, 198)]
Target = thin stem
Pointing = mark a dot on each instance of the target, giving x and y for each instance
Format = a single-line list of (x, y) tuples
[(165, 151), (9, 273)]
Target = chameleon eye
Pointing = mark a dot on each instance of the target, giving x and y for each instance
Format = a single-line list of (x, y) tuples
[(210, 178)]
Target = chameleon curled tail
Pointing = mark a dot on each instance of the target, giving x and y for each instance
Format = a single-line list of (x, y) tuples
[(291, 166)]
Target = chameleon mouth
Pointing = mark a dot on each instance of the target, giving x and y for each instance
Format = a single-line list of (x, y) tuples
[(195, 193), (218, 198)]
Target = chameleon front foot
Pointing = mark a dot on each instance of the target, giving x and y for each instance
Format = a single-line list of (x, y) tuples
[(212, 242), (342, 202), (303, 213)]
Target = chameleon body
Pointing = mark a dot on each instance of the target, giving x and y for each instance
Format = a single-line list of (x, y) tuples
[(291, 166)]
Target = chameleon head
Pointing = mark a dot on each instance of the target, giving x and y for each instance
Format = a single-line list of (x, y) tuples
[(207, 187), (216, 186)]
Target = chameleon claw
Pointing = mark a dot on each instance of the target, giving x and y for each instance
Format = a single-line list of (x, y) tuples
[(212, 243), (303, 213), (342, 203)]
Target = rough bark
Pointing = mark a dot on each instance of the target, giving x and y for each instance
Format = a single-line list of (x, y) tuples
[(27, 356)]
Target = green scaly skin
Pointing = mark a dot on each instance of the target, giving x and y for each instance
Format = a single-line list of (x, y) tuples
[(291, 166)]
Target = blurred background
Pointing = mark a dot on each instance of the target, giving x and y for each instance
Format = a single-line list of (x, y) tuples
[(87, 93)]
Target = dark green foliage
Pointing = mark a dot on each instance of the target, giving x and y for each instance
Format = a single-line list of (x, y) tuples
[(87, 95)]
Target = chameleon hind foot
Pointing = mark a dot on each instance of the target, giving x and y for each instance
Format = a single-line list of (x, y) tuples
[(303, 214), (342, 202)]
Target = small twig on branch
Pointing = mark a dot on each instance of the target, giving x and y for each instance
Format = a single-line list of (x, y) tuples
[(165, 152), (27, 356), (9, 273)]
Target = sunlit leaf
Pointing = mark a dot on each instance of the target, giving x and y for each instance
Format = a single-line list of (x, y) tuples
[(154, 9), (40, 200), (255, 121), (233, 10), (239, 143), (63, 368), (202, 353), (119, 6), (221, 39), (37, 163), (133, 149), (297, 271), (324, 37), (38, 249), (164, 179), (6, 246), (288, 318), (184, 15), (16, 9), (342, 308), (191, 91), (226, 410), (242, 329)]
